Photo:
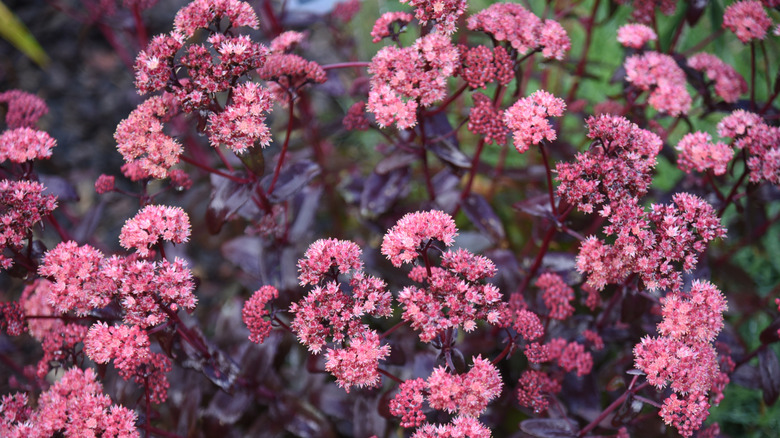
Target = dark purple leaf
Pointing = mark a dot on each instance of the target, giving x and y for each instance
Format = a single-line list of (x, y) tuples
[(770, 335), (305, 212), (769, 371), (549, 427), (89, 222), (563, 263), (448, 152), (445, 184), (747, 375), (59, 187), (381, 191), (291, 180), (247, 253), (366, 420), (228, 408), (538, 206), (396, 160), (481, 214), (227, 197)]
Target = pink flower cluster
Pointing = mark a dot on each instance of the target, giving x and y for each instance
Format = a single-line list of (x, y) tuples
[(155, 223), (83, 281), (286, 41), (200, 14), (618, 165), (761, 141), (414, 232), (460, 427), (527, 119), (534, 388), (527, 324), (660, 74), (747, 19), (24, 109), (22, 205), (452, 296), (384, 27), (481, 66), (635, 35), (129, 347), (729, 84), (444, 13), (242, 123), (324, 255), (683, 356), (74, 406), (254, 312), (557, 295), (356, 365), (25, 144), (522, 29), (403, 78), (485, 120), (327, 311), (287, 73), (12, 319), (148, 151), (466, 395), (355, 119), (697, 152)]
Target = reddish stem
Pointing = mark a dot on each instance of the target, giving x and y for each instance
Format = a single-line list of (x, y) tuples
[(286, 143), (614, 405), (390, 376), (580, 69), (549, 180), (208, 169), (447, 102)]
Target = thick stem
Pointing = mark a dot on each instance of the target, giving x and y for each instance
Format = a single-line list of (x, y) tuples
[(753, 75), (614, 405), (390, 376), (424, 155), (447, 102), (549, 180), (392, 329), (472, 173)]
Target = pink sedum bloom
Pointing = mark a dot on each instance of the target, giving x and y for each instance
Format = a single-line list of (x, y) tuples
[(129, 348), (534, 390), (528, 325), (384, 27), (444, 13), (738, 123), (527, 119), (22, 205), (242, 124), (25, 144), (408, 403), (254, 312), (696, 316), (747, 19), (635, 35), (357, 365), (729, 84), (141, 141), (286, 41), (697, 152), (199, 14), (402, 77), (554, 40), (557, 295), (154, 65), (73, 407), (467, 394), (404, 242), (80, 283), (660, 74), (24, 109), (485, 120), (325, 254), (155, 223), (104, 184), (460, 427)]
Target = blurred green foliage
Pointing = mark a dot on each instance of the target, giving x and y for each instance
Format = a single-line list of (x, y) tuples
[(16, 33)]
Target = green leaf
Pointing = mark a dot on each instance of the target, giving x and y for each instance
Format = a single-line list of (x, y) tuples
[(15, 32)]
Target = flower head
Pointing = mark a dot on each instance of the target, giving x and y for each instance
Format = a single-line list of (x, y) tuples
[(357, 364), (485, 120), (24, 109), (153, 224), (747, 19), (698, 152), (202, 13), (385, 25), (141, 141), (557, 295), (254, 312), (444, 13), (22, 205), (660, 74), (635, 35), (403, 242), (527, 119), (728, 83), (242, 123), (25, 144)]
